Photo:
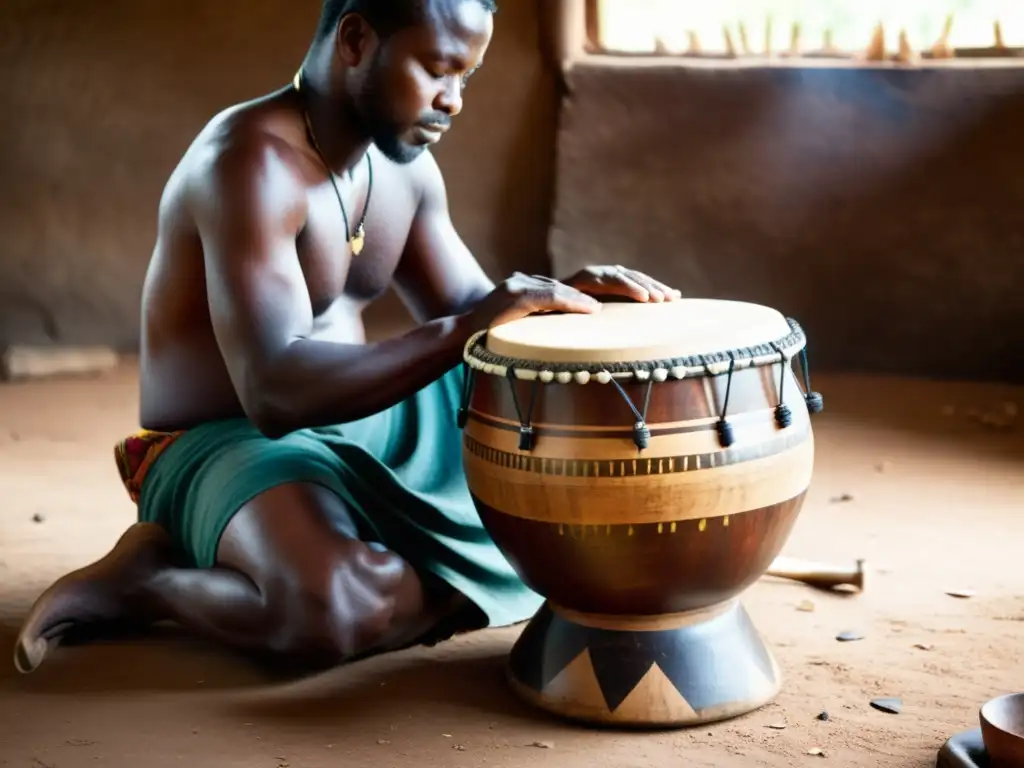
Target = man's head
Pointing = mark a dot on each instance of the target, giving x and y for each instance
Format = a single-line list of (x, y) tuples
[(405, 64)]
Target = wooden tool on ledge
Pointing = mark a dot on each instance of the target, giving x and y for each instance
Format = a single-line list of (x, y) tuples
[(820, 575)]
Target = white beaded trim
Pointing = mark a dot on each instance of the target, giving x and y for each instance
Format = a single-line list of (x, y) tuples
[(532, 370)]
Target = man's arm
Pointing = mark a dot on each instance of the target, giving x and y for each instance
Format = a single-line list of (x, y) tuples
[(437, 275), (249, 210)]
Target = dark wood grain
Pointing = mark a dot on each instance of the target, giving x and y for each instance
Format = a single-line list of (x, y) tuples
[(637, 569)]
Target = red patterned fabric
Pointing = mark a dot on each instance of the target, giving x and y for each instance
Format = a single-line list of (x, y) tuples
[(136, 454)]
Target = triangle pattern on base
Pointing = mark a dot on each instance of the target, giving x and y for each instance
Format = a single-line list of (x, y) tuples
[(656, 699), (576, 686)]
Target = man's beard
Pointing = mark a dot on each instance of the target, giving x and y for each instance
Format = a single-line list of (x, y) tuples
[(385, 133), (388, 140)]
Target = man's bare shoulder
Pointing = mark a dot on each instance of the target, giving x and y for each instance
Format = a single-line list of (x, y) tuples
[(245, 156)]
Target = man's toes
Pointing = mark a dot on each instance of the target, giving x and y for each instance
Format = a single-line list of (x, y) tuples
[(29, 654)]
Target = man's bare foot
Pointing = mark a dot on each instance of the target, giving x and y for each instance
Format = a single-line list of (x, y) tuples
[(110, 591)]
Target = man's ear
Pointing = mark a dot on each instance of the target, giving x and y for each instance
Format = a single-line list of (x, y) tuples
[(355, 39)]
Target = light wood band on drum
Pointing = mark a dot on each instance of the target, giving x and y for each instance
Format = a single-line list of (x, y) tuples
[(607, 488)]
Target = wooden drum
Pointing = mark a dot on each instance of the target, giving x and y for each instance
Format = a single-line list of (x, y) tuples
[(640, 468)]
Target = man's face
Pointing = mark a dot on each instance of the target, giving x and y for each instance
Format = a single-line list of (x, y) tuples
[(411, 87)]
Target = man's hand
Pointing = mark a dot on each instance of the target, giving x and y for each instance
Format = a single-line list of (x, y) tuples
[(619, 281), (523, 295)]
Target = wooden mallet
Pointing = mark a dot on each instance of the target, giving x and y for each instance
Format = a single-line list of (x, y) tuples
[(820, 575)]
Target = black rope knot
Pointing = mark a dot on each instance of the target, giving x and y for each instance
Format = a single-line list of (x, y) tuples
[(725, 434), (815, 402), (469, 376), (726, 437), (641, 432), (641, 435), (526, 436), (783, 415)]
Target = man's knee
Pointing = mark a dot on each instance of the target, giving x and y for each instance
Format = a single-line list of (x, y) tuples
[(324, 591), (345, 606)]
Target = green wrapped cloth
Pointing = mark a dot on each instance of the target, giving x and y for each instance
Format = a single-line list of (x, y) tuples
[(399, 472)]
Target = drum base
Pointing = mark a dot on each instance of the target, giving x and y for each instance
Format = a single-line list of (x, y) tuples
[(644, 672)]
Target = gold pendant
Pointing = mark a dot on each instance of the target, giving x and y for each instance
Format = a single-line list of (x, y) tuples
[(358, 240)]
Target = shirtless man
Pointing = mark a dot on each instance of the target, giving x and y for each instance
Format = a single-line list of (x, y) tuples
[(299, 490)]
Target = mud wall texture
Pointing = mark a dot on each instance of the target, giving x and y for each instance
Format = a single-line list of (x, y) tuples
[(882, 208), (98, 100)]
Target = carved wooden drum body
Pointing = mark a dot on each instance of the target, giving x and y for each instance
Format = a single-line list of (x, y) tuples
[(640, 468)]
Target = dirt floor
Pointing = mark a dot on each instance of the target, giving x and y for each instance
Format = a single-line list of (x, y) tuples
[(931, 498)]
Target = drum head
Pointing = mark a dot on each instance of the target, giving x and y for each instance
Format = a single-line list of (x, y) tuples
[(627, 332)]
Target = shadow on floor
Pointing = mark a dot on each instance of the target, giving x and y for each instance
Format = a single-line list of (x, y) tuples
[(467, 678), (467, 673), (163, 659)]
